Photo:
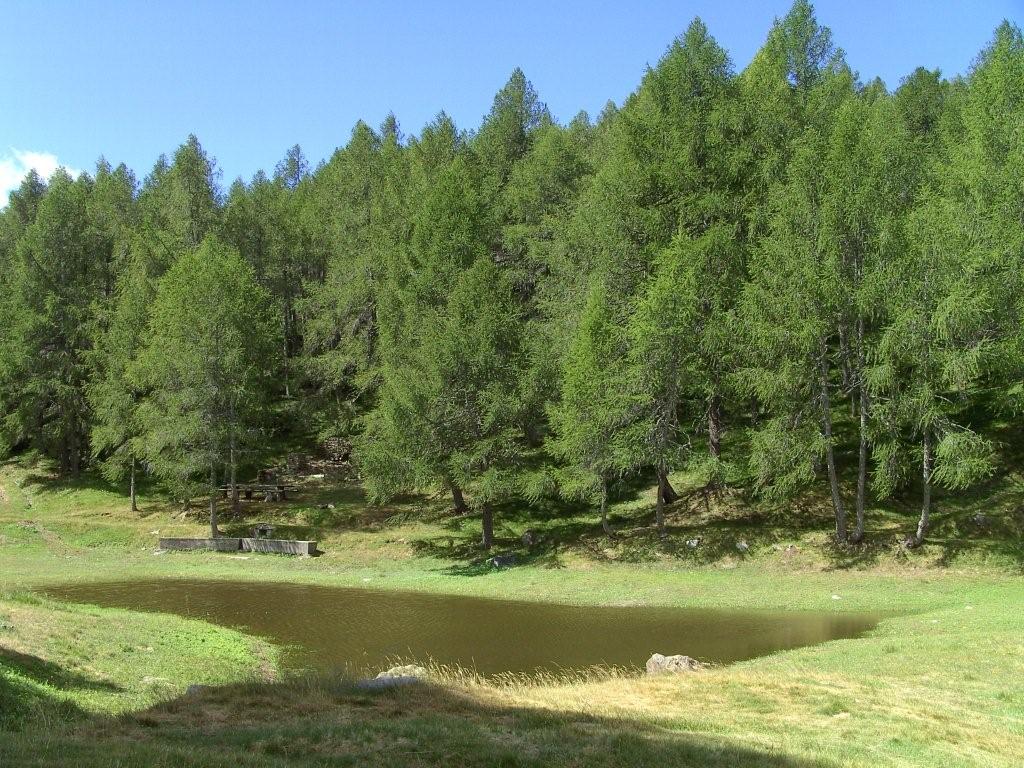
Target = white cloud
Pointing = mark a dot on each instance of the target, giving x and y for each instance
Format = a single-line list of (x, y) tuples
[(17, 162)]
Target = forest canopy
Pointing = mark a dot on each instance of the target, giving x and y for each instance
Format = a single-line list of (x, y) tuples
[(777, 278)]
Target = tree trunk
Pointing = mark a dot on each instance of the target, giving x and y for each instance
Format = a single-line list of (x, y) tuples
[(659, 504), (233, 478), (214, 533), (926, 488), (458, 500), (715, 427), (75, 456), (604, 507), (862, 467), (284, 365), (830, 458), (666, 492), (131, 488), (862, 453), (286, 331), (487, 525)]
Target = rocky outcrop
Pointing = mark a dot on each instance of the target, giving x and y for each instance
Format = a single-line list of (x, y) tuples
[(661, 665)]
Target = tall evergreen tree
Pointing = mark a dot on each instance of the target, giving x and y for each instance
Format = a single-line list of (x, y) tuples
[(448, 406), (207, 368), (55, 282), (956, 286), (594, 407), (353, 217)]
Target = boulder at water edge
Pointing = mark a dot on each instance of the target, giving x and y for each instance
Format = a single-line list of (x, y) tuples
[(407, 674), (660, 665)]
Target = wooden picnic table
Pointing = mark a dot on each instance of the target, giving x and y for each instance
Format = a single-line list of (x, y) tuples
[(275, 490)]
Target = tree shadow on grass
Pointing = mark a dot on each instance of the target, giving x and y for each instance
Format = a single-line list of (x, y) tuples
[(540, 545), (48, 673), (52, 483), (27, 691), (325, 722)]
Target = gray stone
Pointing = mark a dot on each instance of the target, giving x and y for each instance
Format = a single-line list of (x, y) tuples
[(219, 544), (660, 665), (280, 546), (742, 546), (405, 670), (395, 677), (502, 561), (262, 531)]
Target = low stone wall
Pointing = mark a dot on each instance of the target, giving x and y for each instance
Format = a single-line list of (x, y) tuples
[(227, 544), (222, 544), (281, 546)]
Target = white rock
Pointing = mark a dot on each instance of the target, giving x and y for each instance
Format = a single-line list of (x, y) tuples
[(405, 670), (659, 664)]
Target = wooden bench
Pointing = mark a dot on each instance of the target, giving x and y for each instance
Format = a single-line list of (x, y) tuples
[(271, 491)]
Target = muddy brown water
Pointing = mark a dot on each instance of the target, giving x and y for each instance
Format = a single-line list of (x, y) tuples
[(363, 630)]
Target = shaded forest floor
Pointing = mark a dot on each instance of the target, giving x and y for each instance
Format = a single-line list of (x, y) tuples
[(942, 683)]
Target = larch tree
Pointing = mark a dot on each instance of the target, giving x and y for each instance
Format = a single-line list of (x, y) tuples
[(594, 408), (668, 175), (795, 304), (114, 393), (957, 287), (355, 219), (119, 328), (207, 368), (55, 282), (448, 407)]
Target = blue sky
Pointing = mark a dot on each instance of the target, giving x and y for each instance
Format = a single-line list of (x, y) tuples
[(131, 80)]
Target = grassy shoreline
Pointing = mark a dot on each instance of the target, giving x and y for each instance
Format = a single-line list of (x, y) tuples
[(941, 682)]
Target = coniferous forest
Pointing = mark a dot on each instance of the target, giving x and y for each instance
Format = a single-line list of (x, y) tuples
[(779, 277)]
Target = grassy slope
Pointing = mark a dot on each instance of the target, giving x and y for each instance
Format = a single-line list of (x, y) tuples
[(942, 684)]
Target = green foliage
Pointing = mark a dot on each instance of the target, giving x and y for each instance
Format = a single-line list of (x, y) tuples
[(208, 365), (594, 406), (448, 406), (536, 305), (57, 276)]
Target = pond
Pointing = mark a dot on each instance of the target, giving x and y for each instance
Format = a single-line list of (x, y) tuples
[(361, 630)]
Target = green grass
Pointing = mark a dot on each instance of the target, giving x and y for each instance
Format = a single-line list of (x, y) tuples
[(940, 683)]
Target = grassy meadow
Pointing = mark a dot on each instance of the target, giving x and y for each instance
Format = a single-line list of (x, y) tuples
[(940, 682)]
